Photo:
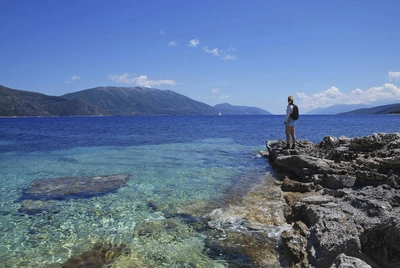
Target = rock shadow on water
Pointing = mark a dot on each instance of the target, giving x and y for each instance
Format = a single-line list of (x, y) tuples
[(74, 187)]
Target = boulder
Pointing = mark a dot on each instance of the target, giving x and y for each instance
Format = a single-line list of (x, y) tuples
[(295, 186), (343, 261)]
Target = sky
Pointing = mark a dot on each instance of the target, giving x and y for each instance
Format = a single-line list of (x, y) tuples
[(248, 53)]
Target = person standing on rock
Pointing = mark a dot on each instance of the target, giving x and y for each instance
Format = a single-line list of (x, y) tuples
[(290, 123)]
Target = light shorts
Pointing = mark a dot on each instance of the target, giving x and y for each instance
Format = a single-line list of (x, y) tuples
[(291, 123)]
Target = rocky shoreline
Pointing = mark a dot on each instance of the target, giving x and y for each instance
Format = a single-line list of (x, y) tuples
[(343, 200)]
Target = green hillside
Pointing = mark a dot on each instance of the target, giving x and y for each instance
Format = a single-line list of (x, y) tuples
[(384, 109), (25, 103), (141, 101), (124, 101)]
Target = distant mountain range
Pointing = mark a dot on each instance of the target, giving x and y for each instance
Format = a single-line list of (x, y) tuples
[(111, 101), (357, 109), (228, 109), (128, 101), (384, 109), (338, 108)]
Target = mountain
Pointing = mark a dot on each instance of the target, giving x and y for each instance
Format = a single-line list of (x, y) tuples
[(228, 109), (384, 109), (337, 108), (15, 102), (112, 101), (141, 101)]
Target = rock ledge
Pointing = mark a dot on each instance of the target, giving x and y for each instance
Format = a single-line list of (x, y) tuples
[(343, 199)]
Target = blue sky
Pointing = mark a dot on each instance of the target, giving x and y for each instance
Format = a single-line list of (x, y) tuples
[(252, 53)]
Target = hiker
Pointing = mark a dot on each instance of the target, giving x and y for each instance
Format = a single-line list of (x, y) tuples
[(290, 122)]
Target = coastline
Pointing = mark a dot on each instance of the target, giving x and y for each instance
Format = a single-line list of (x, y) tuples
[(342, 199)]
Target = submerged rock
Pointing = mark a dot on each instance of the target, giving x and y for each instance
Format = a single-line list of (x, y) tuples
[(343, 196), (74, 187), (102, 254)]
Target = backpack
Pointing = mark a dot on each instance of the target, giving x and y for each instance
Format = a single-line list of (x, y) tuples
[(295, 113)]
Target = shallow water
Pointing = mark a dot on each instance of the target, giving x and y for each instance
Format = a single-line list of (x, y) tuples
[(199, 194)]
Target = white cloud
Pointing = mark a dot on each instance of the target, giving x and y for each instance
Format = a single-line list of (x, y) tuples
[(172, 44), (213, 51), (162, 32), (330, 94), (194, 42), (386, 93), (228, 57), (74, 79), (394, 76), (141, 80), (356, 92), (217, 95), (222, 54)]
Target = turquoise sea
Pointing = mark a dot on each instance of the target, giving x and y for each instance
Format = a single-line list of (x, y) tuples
[(199, 194)]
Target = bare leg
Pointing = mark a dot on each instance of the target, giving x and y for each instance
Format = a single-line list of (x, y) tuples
[(288, 136), (291, 131)]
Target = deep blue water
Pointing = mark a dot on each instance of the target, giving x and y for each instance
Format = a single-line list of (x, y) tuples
[(55, 133), (182, 169)]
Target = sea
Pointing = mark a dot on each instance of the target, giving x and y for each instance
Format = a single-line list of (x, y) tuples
[(199, 193)]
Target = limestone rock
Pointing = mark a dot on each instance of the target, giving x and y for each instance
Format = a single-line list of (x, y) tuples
[(343, 261), (295, 186), (294, 244), (347, 194), (342, 162)]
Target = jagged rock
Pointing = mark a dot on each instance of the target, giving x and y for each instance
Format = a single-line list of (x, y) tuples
[(294, 244), (74, 187), (331, 232), (372, 160), (343, 261), (304, 165), (295, 186), (353, 212), (336, 181)]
